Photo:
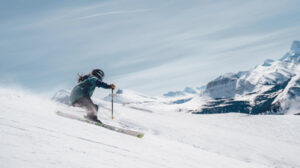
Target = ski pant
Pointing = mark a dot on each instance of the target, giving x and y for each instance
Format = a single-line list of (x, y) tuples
[(87, 104)]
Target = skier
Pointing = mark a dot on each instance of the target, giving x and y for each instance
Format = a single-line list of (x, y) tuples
[(81, 93)]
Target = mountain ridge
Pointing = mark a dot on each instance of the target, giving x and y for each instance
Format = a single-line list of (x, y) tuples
[(267, 82)]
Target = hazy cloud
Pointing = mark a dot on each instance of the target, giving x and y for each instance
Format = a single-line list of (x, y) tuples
[(149, 46)]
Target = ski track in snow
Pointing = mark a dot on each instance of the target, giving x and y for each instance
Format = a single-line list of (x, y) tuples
[(32, 135)]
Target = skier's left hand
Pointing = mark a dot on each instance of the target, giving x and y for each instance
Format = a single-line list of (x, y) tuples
[(112, 86)]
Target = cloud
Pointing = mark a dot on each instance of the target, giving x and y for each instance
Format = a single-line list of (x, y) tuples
[(113, 13), (152, 46)]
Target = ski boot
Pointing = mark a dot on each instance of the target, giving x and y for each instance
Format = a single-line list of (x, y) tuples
[(93, 118)]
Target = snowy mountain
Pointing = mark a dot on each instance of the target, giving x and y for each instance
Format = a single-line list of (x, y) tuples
[(174, 94), (185, 92), (264, 89), (190, 90), (288, 99)]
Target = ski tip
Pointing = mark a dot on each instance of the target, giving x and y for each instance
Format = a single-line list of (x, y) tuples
[(140, 135), (59, 113)]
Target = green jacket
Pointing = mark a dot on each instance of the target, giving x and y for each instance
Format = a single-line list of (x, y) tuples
[(86, 88)]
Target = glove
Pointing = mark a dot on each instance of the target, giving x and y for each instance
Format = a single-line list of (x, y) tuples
[(112, 86)]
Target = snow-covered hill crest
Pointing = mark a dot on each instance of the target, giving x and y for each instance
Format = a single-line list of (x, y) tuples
[(125, 96), (62, 96)]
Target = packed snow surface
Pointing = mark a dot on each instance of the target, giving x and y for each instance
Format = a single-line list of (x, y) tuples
[(32, 135)]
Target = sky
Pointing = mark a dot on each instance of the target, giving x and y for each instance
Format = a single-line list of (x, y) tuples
[(149, 46)]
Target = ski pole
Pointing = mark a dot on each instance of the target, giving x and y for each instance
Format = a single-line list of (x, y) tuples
[(112, 104)]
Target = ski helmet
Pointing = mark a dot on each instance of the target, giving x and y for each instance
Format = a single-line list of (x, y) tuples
[(98, 73)]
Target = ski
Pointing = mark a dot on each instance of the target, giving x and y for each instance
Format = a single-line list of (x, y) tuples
[(110, 127)]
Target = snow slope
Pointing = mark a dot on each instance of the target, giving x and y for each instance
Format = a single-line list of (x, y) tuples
[(33, 136)]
